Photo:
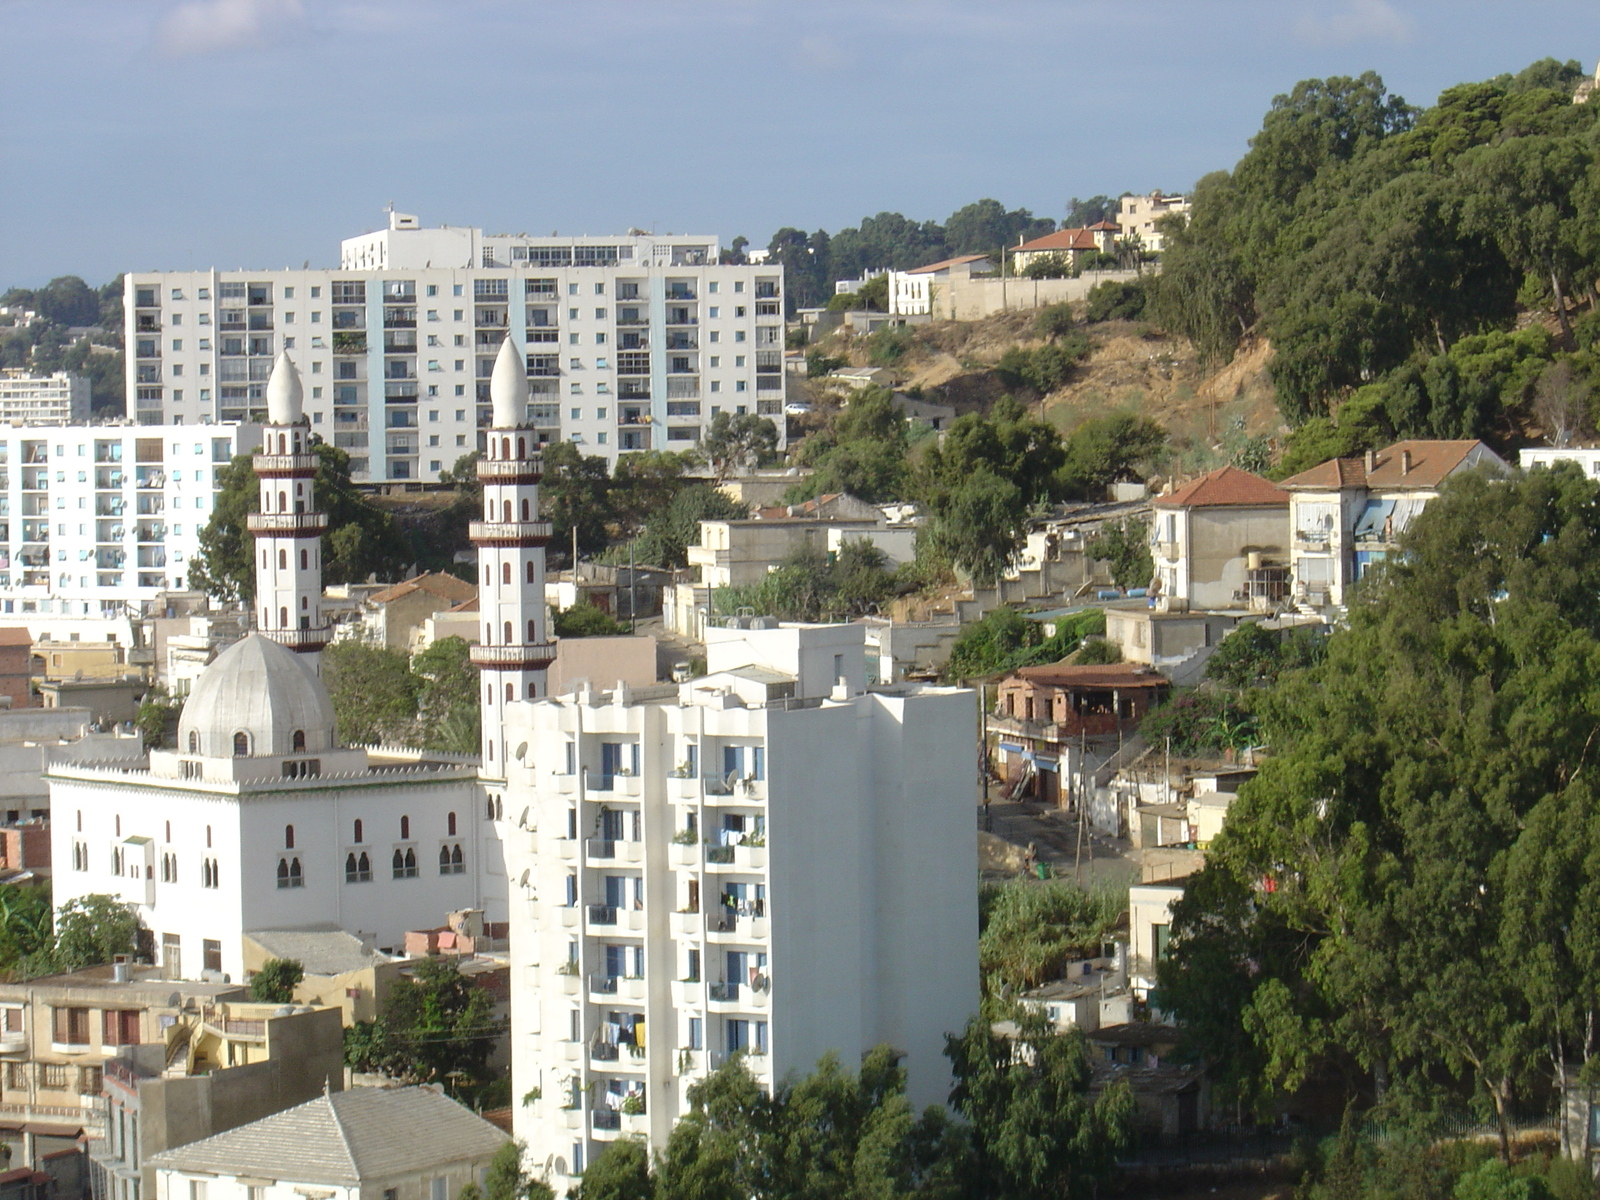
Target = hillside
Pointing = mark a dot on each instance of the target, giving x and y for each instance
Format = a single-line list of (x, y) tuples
[(1132, 367)]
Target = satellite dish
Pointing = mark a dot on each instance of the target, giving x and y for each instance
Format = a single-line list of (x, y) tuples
[(522, 750)]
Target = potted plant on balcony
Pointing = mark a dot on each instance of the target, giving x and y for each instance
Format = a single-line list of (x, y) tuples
[(633, 1104)]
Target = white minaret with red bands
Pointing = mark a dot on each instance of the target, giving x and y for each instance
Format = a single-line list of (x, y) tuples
[(288, 529), (513, 651)]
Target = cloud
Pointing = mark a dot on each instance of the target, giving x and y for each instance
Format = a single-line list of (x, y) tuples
[(1357, 21), (209, 26)]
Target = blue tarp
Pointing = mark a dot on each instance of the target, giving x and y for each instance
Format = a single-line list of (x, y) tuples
[(1369, 526)]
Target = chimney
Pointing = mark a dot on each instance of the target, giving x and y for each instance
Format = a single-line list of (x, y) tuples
[(1372, 461), (1405, 462)]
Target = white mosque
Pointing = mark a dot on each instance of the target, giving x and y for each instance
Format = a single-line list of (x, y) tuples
[(259, 820)]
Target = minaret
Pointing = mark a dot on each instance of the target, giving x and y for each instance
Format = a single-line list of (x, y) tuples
[(513, 651), (288, 530)]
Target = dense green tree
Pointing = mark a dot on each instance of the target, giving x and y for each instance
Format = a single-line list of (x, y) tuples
[(374, 693), (1254, 656), (1104, 449), (672, 528), (157, 719), (1009, 443), (979, 525), (620, 1171), (275, 982), (362, 541), (987, 228), (645, 482), (811, 585), (1116, 301), (435, 1027), (1036, 1134), (1029, 930), (585, 620), (1004, 640), (1126, 546), (738, 442), (27, 934), (1424, 823), (1043, 369), (449, 711), (575, 494), (91, 930), (862, 452), (1083, 213)]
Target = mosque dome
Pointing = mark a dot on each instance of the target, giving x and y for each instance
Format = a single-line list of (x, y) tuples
[(257, 699), (284, 392), (508, 387)]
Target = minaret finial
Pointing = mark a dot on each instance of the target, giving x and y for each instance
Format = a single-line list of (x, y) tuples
[(284, 393), (508, 387)]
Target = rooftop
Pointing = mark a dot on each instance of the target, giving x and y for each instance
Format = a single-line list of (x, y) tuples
[(437, 583), (1226, 487), (1112, 675), (345, 1138), (319, 951), (1416, 463), (1063, 239), (946, 264)]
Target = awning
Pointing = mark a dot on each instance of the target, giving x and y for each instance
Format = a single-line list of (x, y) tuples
[(1405, 511), (1012, 747), (1370, 524), (60, 1131)]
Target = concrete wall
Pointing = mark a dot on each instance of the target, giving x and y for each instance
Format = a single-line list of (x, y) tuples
[(974, 299), (602, 661), (1219, 542)]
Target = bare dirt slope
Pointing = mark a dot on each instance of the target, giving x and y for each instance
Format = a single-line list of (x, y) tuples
[(1132, 368)]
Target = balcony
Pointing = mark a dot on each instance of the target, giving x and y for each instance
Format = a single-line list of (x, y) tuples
[(679, 855), (686, 924), (301, 639), (515, 533), (607, 1119), (736, 858), (284, 464), (603, 985), (625, 786), (723, 993), (608, 918), (287, 523), (534, 657), (687, 993), (529, 470), (607, 851)]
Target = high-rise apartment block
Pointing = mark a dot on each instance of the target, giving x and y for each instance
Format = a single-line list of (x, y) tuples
[(629, 343), (60, 398), (95, 516), (771, 861)]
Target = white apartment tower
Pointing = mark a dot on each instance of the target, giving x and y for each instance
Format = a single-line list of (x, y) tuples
[(771, 861), (514, 652), (288, 529), (628, 343)]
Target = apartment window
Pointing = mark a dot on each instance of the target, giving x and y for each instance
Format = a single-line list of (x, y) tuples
[(599, 314), (433, 289), (70, 1026), (714, 312), (120, 1027), (738, 285), (599, 339), (716, 361), (404, 864), (288, 293), (211, 952), (290, 874), (16, 1077), (53, 1076), (357, 868), (696, 1033), (715, 336), (572, 314)]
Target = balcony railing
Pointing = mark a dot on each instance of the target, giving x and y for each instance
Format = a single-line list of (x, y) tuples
[(526, 532), (286, 522), (724, 992), (602, 914), (528, 470), (284, 464), (603, 985), (301, 639)]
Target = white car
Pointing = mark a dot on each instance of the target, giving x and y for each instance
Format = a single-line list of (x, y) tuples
[(796, 407)]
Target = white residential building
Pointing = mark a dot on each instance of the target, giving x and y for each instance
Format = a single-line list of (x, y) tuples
[(57, 399), (770, 861), (1139, 215), (93, 517), (1587, 457), (629, 343), (259, 819)]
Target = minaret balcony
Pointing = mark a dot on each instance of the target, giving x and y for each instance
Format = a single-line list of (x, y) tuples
[(511, 470), (276, 465), (509, 533), (534, 657), (303, 640), (287, 524)]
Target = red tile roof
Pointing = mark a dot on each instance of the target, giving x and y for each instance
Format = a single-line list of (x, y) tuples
[(1226, 487), (15, 637), (947, 263), (1061, 239), (437, 583), (1104, 225), (1430, 463)]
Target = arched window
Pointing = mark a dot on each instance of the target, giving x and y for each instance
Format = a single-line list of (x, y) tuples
[(305, 603), (505, 447), (295, 878), (530, 570), (119, 824), (489, 805), (168, 837), (305, 559), (288, 837), (283, 872), (399, 865), (405, 828), (444, 860), (525, 510), (450, 824), (208, 837), (458, 865), (241, 747), (283, 501), (522, 447), (194, 741), (505, 572), (532, 693), (506, 509), (411, 862), (359, 839), (511, 691), (508, 633), (488, 693), (283, 616), (488, 577), (351, 869), (491, 743), (365, 864), (533, 633), (80, 820), (488, 509), (283, 560), (488, 633), (298, 740)]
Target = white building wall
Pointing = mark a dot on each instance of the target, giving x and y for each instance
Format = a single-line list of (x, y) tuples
[(573, 330), (859, 836), (60, 398), (95, 516)]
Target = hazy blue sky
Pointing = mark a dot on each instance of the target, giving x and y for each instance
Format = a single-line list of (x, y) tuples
[(154, 134)]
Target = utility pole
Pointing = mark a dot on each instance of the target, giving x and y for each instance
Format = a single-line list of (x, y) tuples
[(633, 596)]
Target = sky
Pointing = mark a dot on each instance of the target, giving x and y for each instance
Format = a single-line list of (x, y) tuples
[(182, 134)]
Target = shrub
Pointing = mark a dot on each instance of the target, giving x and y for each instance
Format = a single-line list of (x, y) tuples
[(1114, 300)]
